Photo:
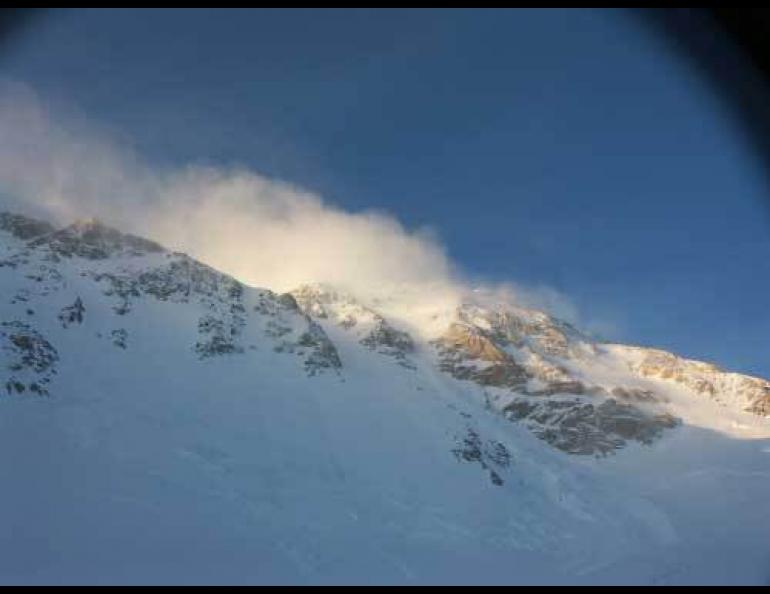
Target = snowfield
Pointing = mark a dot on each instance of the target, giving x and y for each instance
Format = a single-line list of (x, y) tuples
[(187, 429)]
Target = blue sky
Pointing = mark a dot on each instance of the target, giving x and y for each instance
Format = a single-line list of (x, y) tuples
[(567, 149)]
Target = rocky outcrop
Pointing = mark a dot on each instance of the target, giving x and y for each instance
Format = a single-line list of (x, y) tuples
[(386, 340), (492, 456), (120, 338), (72, 314), (371, 329), (295, 332), (130, 270), (526, 355), (23, 227), (322, 354), (704, 379), (216, 338), (527, 329), (468, 353), (93, 240), (28, 359), (180, 279), (530, 367), (580, 426)]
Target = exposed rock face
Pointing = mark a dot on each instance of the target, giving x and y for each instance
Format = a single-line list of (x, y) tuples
[(523, 354), (538, 371), (307, 340), (467, 353), (527, 329), (29, 360), (288, 302), (95, 241), (216, 338), (180, 279), (23, 227), (579, 426), (702, 378), (760, 405), (322, 352), (529, 367), (130, 270), (72, 314), (119, 338), (492, 456), (526, 356), (386, 340), (371, 329)]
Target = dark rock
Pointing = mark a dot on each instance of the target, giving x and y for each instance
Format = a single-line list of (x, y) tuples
[(72, 314), (216, 338), (24, 227), (471, 448), (31, 359), (467, 353), (578, 426), (323, 353), (95, 241), (288, 301), (385, 339), (119, 338)]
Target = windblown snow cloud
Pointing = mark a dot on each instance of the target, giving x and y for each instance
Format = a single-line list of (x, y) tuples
[(264, 232)]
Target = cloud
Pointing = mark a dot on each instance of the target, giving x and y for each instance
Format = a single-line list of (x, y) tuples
[(265, 232), (64, 168)]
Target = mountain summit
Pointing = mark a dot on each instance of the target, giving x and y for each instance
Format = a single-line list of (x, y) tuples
[(163, 422)]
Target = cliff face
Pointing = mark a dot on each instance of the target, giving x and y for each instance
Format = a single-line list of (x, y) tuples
[(703, 379), (578, 395)]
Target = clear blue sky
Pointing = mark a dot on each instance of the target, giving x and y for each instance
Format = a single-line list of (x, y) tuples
[(561, 148)]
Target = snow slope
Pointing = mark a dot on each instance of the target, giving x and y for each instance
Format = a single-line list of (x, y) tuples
[(185, 428)]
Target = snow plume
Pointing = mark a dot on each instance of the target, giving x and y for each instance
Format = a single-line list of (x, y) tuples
[(265, 232)]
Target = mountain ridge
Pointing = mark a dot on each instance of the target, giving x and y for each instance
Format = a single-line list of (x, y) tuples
[(156, 410), (537, 367)]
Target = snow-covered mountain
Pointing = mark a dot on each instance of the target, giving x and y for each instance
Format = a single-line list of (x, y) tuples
[(162, 422)]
